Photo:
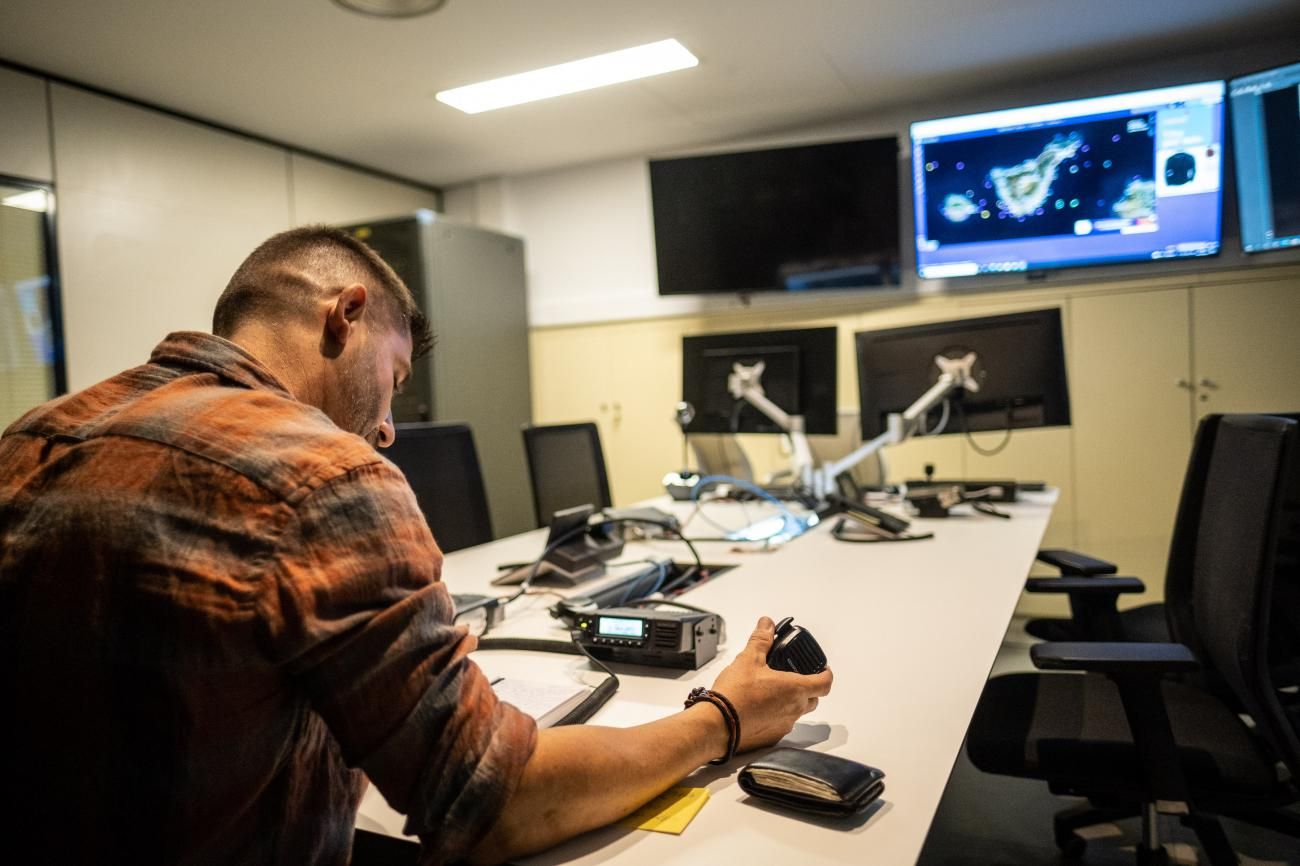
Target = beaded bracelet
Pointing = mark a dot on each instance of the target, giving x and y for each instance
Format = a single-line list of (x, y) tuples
[(729, 715)]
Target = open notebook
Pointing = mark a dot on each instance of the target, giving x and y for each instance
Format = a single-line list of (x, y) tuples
[(545, 702)]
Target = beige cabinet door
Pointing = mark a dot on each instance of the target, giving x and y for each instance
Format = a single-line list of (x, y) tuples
[(627, 378), (1128, 364), (1246, 347), (571, 382), (568, 374), (644, 369)]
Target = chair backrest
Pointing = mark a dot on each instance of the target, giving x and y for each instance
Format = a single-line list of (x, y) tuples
[(441, 465), (1233, 566), (566, 466), (721, 454), (1285, 647), (1182, 546)]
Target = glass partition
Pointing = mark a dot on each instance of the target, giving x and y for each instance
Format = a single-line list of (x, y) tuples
[(31, 344)]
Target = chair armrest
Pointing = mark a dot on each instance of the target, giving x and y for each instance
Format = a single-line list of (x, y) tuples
[(1074, 563), (1114, 658), (1136, 669), (1086, 585)]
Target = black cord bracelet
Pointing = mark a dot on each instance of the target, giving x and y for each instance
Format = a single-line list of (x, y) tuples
[(729, 715)]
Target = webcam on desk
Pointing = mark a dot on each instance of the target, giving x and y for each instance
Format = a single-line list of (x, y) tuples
[(795, 649)]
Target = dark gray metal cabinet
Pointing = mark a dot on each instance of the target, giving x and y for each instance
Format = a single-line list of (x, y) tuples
[(470, 282)]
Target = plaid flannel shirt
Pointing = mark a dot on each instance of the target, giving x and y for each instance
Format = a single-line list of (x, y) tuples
[(216, 610)]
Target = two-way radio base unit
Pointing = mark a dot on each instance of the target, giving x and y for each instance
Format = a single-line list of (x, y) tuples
[(683, 639)]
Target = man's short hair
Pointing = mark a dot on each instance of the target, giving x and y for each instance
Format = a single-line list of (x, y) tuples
[(279, 278)]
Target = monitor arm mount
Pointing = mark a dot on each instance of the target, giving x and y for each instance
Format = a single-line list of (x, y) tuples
[(954, 374), (745, 383)]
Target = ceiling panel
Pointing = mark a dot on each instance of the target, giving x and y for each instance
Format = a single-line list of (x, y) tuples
[(309, 73)]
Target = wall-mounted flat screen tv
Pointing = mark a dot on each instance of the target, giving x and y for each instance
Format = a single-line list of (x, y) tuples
[(1128, 177), (822, 216), (1266, 146)]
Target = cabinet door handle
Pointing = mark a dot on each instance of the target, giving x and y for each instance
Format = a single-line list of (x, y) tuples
[(1208, 383), (1183, 383)]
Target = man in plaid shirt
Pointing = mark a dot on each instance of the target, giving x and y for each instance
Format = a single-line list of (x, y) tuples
[(221, 610)]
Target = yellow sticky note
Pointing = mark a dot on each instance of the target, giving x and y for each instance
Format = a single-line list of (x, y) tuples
[(670, 812)]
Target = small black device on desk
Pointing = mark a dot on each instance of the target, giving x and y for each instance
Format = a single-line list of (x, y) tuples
[(872, 524), (988, 491), (685, 639), (863, 513), (481, 613), (567, 563), (937, 500)]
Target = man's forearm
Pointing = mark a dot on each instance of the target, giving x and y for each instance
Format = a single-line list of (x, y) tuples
[(584, 777)]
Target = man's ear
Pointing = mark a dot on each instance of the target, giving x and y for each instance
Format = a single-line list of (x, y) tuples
[(344, 313)]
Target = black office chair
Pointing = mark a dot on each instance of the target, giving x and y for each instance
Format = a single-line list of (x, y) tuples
[(566, 466), (1093, 615), (1092, 603), (1134, 741), (441, 465)]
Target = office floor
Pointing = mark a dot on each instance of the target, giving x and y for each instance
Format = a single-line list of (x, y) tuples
[(986, 820)]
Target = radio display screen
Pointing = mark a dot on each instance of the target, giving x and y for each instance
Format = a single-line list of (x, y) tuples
[(616, 626)]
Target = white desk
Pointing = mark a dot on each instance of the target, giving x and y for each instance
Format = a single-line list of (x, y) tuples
[(911, 631)]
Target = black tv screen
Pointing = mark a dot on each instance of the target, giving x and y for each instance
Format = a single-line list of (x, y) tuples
[(820, 216)]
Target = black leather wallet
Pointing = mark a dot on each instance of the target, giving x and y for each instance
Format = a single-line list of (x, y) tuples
[(813, 782)]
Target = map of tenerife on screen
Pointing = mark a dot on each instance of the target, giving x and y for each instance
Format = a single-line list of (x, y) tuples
[(1130, 177)]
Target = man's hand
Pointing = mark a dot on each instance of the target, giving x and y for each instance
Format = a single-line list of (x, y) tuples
[(584, 776), (768, 702)]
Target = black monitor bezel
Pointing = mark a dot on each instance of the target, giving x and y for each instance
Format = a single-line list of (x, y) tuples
[(1230, 129), (1058, 385), (818, 377)]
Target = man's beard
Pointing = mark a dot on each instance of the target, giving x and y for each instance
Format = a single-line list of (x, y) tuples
[(359, 407)]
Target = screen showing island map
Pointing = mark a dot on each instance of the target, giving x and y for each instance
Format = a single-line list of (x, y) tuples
[(1128, 177)]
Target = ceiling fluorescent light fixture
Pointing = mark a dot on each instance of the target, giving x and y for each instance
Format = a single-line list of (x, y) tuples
[(33, 199), (629, 64)]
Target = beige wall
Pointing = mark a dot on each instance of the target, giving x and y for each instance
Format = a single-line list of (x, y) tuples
[(154, 212), (25, 129), (322, 192)]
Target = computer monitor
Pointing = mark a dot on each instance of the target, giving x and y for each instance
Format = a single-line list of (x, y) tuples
[(1128, 177), (441, 465), (798, 376), (1266, 144), (1020, 371)]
